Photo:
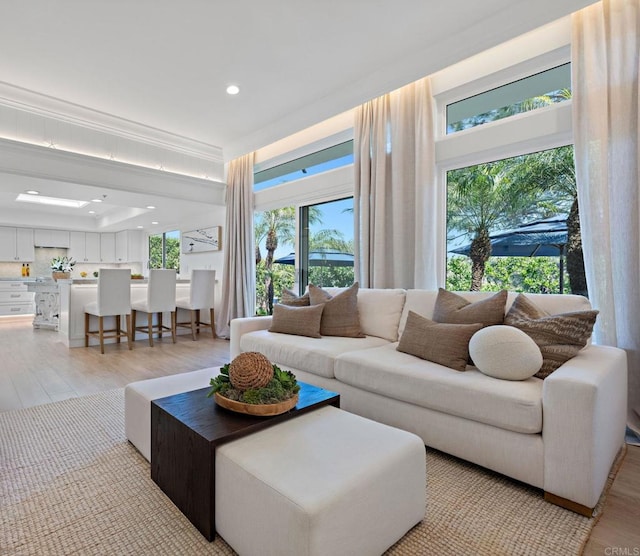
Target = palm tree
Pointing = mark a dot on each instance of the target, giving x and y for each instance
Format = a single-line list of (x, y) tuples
[(481, 198)]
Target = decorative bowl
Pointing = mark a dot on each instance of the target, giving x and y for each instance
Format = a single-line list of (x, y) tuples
[(258, 410)]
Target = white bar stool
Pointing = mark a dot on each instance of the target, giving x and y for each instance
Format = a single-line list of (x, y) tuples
[(113, 300), (161, 297), (201, 297)]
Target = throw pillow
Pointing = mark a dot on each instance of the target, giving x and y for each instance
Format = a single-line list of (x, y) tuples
[(505, 352), (442, 343), (559, 337), (290, 298), (455, 309), (301, 321), (340, 316)]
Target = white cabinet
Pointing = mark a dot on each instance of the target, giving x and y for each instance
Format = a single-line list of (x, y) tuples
[(108, 248), (129, 246), (15, 299), (51, 238), (16, 244), (84, 247)]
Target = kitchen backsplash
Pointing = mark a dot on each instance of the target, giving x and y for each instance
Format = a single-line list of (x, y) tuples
[(41, 266)]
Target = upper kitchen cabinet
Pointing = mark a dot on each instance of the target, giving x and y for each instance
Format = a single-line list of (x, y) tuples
[(84, 247), (16, 244), (107, 247), (129, 246), (51, 238)]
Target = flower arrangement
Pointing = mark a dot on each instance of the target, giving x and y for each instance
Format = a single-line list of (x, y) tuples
[(62, 264)]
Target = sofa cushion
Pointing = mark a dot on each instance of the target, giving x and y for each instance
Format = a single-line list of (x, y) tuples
[(447, 344), (560, 337), (455, 309), (340, 316), (290, 298), (505, 352), (315, 355), (301, 321), (511, 405), (380, 311)]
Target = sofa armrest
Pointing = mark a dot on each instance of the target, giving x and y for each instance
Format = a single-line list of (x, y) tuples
[(242, 326), (584, 406)]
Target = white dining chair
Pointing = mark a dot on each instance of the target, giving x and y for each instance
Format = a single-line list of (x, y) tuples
[(201, 298), (113, 300), (161, 298)]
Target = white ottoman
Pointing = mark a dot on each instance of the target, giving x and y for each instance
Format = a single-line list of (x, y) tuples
[(138, 396), (327, 482)]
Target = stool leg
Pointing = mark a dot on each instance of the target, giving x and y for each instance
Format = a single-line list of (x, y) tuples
[(118, 323), (86, 330), (193, 325), (101, 333), (173, 325), (213, 323), (132, 332), (160, 325), (129, 331), (150, 328)]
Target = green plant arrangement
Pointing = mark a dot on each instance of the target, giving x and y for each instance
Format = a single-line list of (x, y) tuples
[(281, 387), (62, 264)]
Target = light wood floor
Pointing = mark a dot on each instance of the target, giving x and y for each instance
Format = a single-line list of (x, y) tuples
[(35, 368)]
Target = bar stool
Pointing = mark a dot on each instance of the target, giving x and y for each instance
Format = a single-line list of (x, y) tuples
[(113, 300), (201, 296), (161, 297)]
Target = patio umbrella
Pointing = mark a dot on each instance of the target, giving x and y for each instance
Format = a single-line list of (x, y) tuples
[(324, 258), (321, 257), (542, 238)]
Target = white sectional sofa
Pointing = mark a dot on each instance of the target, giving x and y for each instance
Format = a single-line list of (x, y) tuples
[(560, 434)]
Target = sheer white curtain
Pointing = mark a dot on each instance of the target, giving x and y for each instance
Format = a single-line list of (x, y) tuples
[(239, 273), (397, 209), (605, 60)]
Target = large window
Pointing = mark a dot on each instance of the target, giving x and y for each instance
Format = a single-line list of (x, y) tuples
[(536, 91), (164, 250), (513, 224)]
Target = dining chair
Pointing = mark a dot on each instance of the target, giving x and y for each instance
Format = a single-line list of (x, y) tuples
[(201, 297), (113, 300), (161, 298)]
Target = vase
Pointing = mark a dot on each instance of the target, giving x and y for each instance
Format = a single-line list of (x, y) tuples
[(57, 275)]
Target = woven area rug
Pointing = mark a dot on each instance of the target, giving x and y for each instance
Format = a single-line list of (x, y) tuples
[(70, 483)]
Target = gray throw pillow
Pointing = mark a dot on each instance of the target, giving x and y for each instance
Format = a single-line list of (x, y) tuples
[(455, 309), (290, 298), (340, 316), (559, 337), (442, 343), (300, 321)]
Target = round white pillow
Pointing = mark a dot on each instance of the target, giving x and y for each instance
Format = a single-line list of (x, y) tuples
[(505, 352)]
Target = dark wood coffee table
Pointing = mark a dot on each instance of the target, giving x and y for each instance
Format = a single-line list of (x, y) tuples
[(185, 431)]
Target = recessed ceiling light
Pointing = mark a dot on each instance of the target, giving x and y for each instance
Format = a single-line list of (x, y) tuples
[(96, 200), (139, 227), (154, 222), (92, 212), (233, 90), (33, 192), (151, 207), (55, 201)]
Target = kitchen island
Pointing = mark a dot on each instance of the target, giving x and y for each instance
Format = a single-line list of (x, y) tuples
[(76, 293)]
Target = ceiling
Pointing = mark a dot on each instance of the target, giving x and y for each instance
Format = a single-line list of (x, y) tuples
[(166, 64)]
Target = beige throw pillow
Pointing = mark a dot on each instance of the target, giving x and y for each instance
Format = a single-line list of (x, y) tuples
[(290, 298), (442, 343), (559, 337), (340, 316), (301, 321), (455, 309)]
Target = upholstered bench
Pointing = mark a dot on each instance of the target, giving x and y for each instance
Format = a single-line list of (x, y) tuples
[(138, 396), (327, 482)]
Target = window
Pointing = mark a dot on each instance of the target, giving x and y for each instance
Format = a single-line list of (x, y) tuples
[(513, 223), (315, 163), (164, 250), (542, 89)]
